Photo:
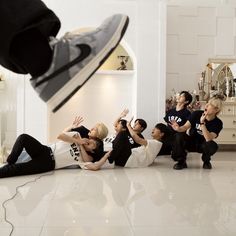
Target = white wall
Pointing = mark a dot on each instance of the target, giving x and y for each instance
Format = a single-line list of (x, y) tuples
[(8, 98), (100, 100), (196, 31)]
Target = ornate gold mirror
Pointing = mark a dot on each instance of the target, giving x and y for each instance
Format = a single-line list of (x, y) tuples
[(220, 76)]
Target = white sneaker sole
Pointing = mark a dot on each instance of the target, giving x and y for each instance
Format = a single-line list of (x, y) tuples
[(67, 91)]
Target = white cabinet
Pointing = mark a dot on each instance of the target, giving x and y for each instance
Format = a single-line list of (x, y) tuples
[(228, 117)]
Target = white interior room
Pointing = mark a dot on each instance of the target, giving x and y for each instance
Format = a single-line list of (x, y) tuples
[(168, 44)]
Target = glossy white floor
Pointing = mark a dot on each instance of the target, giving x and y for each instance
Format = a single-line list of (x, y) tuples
[(150, 201)]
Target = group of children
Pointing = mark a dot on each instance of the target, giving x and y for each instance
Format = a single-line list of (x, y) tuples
[(185, 131)]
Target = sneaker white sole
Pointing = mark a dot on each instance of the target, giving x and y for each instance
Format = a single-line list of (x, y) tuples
[(67, 91)]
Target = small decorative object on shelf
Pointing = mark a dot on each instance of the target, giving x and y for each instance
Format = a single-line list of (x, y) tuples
[(234, 80), (201, 87), (227, 79), (220, 77), (124, 60)]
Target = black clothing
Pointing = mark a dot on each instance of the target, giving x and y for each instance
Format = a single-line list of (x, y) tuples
[(132, 142), (121, 149), (41, 155), (195, 141), (214, 125), (184, 142), (99, 152), (16, 18), (165, 148), (180, 116), (83, 131)]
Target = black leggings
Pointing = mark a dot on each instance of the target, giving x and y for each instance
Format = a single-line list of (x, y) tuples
[(41, 155), (121, 149)]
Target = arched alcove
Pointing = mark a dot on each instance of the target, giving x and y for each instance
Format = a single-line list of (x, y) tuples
[(103, 97), (120, 59)]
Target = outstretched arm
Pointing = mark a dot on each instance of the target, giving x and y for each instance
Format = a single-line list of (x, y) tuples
[(79, 141), (122, 115), (135, 136), (71, 139), (98, 164)]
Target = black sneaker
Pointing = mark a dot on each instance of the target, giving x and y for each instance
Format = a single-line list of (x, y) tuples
[(180, 165), (207, 165), (76, 58)]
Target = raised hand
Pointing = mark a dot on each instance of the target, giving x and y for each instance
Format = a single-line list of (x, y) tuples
[(128, 124), (203, 117), (124, 113), (174, 125), (77, 122)]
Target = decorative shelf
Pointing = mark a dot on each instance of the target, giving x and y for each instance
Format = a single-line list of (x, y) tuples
[(115, 72)]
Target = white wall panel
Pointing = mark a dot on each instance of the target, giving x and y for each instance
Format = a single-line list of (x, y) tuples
[(234, 30), (173, 64), (188, 44), (187, 24), (224, 46), (189, 80), (188, 11), (187, 63), (172, 83), (225, 11), (206, 26), (215, 29), (225, 27), (206, 12), (206, 45)]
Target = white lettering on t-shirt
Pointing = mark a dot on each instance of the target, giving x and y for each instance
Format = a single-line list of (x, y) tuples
[(198, 128), (176, 118)]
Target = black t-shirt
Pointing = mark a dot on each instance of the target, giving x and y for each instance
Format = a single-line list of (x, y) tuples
[(180, 116), (214, 125), (133, 143), (99, 152)]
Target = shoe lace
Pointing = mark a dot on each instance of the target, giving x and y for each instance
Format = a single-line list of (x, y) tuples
[(53, 41)]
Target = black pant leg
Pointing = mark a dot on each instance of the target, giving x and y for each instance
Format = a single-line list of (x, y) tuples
[(166, 147), (208, 149), (41, 165), (32, 146), (121, 149), (179, 142), (17, 17)]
